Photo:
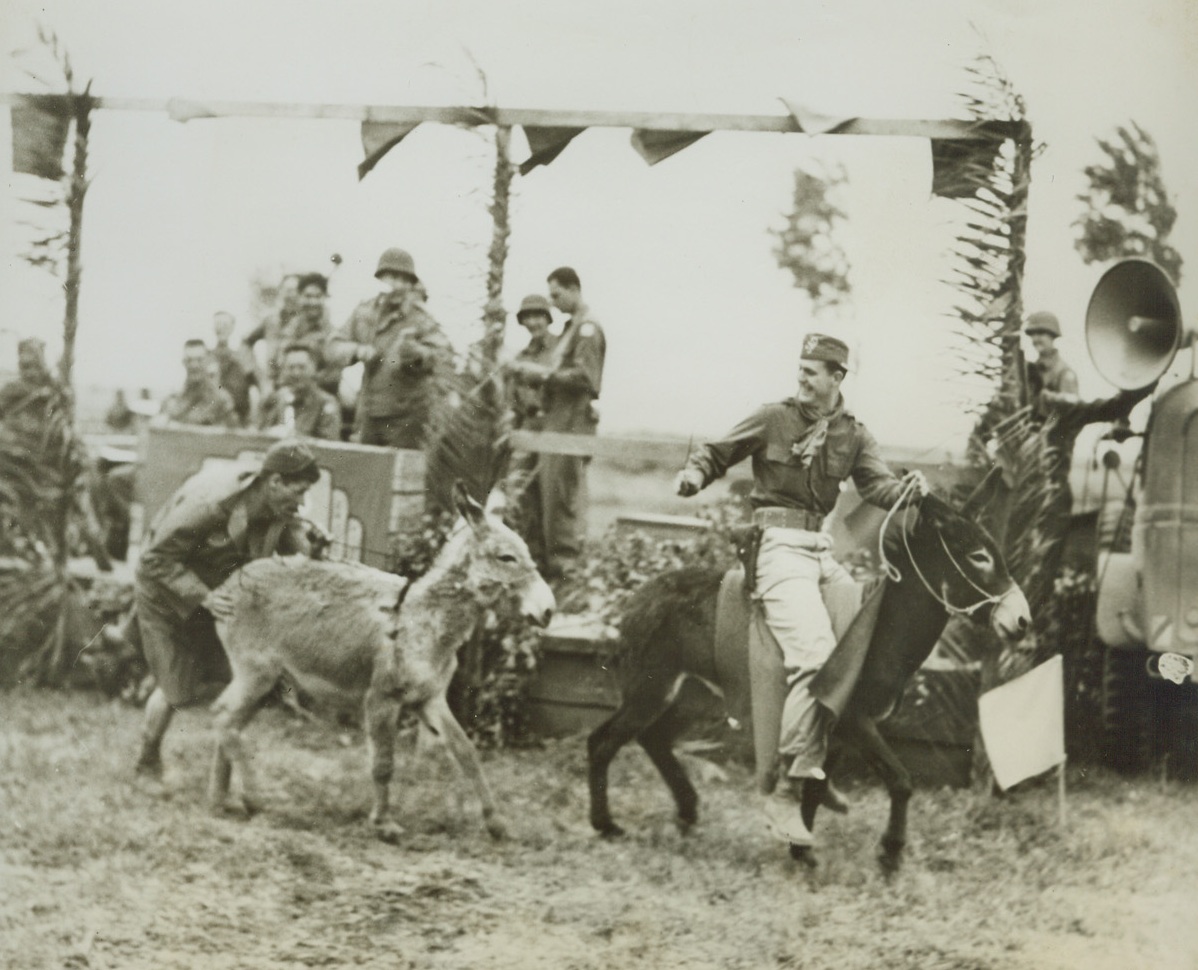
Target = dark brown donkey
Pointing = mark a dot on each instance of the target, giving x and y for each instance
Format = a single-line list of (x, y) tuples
[(945, 564)]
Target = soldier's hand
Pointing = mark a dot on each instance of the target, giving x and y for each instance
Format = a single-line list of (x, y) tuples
[(219, 603), (919, 480), (688, 482)]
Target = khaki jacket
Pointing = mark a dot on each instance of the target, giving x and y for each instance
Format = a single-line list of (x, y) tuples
[(203, 535)]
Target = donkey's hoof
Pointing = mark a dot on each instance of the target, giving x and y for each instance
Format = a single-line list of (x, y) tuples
[(496, 828), (388, 832), (149, 767), (610, 831), (804, 855), (834, 801), (685, 823), (890, 858)]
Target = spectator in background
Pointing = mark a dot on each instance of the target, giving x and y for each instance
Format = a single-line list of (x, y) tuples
[(28, 401), (571, 380), (526, 400), (201, 401), (233, 374), (299, 406), (310, 326), (119, 416), (1048, 372), (400, 347), (270, 332)]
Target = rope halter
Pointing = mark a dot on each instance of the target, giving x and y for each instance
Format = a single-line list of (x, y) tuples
[(892, 571)]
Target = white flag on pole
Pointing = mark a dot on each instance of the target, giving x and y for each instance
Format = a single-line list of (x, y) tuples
[(1023, 723)]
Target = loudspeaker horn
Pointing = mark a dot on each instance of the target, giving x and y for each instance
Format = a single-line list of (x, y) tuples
[(1133, 324)]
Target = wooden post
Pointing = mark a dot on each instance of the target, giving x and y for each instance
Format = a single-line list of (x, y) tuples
[(494, 316), (81, 105)]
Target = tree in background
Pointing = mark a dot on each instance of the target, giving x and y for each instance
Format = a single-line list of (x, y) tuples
[(1127, 208), (808, 246)]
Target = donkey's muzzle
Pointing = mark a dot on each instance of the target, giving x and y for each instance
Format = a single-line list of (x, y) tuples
[(1012, 617), (537, 604)]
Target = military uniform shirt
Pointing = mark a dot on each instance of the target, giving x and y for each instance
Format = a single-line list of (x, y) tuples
[(317, 413), (410, 345), (528, 401), (203, 405), (576, 376), (769, 436), (202, 536)]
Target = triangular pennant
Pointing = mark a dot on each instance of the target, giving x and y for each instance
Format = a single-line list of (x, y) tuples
[(812, 122), (39, 133), (378, 138), (545, 143), (655, 146)]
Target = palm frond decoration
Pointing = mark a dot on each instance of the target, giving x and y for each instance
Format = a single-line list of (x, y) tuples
[(42, 474), (467, 436), (990, 182)]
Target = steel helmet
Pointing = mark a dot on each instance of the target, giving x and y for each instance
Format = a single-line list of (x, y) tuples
[(397, 261), (1043, 322)]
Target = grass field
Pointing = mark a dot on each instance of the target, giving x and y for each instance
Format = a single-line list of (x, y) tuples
[(100, 870)]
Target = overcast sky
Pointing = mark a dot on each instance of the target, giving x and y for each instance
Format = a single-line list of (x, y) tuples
[(675, 259)]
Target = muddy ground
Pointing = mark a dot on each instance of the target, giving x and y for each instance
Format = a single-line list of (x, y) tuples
[(98, 870)]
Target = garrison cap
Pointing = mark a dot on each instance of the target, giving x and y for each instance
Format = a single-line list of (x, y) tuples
[(1043, 322), (31, 343), (397, 261), (288, 457), (819, 346), (534, 303)]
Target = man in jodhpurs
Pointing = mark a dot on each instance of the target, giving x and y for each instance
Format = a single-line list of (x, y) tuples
[(219, 520), (401, 347), (802, 449)]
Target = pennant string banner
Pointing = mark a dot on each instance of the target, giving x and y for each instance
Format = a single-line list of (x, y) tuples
[(812, 122), (656, 146), (378, 138), (545, 144), (39, 134)]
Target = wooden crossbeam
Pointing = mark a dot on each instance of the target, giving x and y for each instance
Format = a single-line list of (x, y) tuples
[(185, 109)]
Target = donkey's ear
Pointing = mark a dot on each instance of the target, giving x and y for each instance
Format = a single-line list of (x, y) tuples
[(988, 489), (467, 507), (934, 508)]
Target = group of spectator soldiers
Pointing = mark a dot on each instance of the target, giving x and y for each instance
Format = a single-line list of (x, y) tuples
[(285, 377)]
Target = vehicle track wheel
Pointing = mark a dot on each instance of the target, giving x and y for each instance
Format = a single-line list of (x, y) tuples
[(1179, 723), (1127, 711)]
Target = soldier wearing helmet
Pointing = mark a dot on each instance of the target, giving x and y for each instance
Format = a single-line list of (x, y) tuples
[(400, 347), (1049, 372), (526, 399)]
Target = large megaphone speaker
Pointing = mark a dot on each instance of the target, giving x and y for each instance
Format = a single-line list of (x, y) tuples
[(1133, 324)]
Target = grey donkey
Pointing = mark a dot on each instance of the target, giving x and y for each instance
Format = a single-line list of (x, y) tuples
[(346, 634)]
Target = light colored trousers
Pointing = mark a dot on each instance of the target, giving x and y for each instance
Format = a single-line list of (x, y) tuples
[(809, 601)]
